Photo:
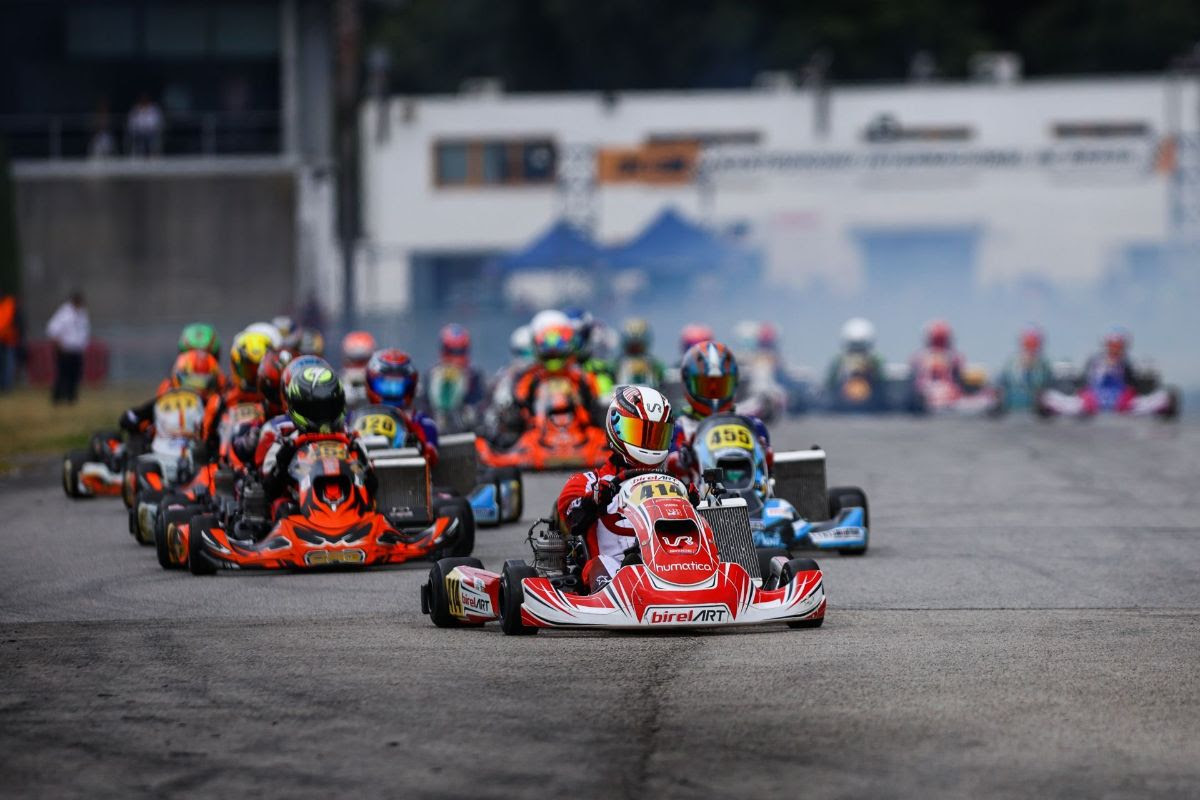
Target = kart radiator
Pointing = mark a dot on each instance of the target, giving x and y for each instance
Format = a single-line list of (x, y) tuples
[(800, 479), (403, 494), (730, 523), (457, 463)]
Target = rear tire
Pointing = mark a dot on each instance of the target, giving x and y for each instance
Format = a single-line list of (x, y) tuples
[(841, 497), (790, 570), (502, 475), (72, 463), (198, 564), (174, 516), (459, 508), (439, 600), (512, 595)]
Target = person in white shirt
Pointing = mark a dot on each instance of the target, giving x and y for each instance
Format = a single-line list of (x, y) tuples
[(70, 330)]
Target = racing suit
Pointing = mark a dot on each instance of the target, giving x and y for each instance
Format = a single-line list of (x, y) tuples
[(277, 481), (525, 388)]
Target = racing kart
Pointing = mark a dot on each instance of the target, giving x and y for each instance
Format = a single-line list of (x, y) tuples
[(172, 469), (1110, 394), (791, 509), (692, 567), (334, 521), (447, 399), (560, 434), (99, 469), (935, 390)]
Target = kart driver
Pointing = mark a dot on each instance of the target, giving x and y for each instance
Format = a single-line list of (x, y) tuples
[(392, 380), (194, 372), (222, 410), (598, 370), (639, 428), (357, 347), (938, 360), (555, 348), (1027, 373), (455, 342), (710, 377), (637, 364), (857, 358), (202, 338)]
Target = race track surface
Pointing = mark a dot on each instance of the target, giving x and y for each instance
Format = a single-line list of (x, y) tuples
[(1027, 624)]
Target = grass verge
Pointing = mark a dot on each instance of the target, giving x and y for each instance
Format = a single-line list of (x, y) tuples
[(31, 426)]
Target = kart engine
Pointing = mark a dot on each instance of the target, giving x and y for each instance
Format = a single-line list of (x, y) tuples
[(549, 549)]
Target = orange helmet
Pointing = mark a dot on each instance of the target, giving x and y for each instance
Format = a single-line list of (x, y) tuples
[(357, 347), (196, 370)]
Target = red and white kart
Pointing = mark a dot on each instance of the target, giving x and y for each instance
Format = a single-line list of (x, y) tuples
[(693, 567)]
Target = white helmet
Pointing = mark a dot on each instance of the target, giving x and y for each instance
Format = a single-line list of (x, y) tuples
[(520, 342), (858, 334), (546, 319), (639, 426)]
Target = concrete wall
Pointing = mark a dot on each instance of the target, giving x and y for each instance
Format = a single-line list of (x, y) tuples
[(157, 249)]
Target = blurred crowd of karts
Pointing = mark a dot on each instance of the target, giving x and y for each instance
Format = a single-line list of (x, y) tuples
[(681, 513)]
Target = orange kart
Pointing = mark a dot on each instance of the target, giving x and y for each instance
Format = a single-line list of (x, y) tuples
[(560, 435), (98, 470), (333, 523)]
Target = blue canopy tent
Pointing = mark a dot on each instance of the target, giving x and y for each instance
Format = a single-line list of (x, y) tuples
[(561, 246), (676, 248)]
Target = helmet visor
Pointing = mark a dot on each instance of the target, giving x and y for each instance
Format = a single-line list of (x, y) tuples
[(400, 386), (711, 387), (643, 433)]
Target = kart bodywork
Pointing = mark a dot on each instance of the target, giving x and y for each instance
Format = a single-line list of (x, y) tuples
[(692, 567), (560, 435), (791, 509), (98, 470), (334, 523)]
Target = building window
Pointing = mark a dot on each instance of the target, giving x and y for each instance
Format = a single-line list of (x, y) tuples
[(708, 138), (176, 31), (101, 31), (1101, 129), (246, 30), (494, 162)]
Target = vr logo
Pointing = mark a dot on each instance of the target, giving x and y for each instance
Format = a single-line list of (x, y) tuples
[(678, 541)]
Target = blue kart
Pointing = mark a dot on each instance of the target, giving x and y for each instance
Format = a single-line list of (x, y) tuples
[(791, 509)]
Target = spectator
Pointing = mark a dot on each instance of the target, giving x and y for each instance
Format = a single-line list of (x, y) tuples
[(70, 330), (10, 340), (145, 127), (102, 144)]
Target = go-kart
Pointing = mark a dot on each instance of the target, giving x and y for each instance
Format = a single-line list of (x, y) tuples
[(334, 522), (560, 434), (99, 470), (692, 567), (1109, 393), (791, 509), (936, 391), (858, 386)]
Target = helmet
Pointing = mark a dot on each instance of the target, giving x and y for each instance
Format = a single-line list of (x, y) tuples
[(268, 330), (636, 337), (858, 334), (938, 334), (1031, 339), (692, 334), (456, 343), (605, 342), (289, 334), (392, 378), (583, 322), (200, 336), (311, 342), (270, 380), (1116, 342), (710, 375), (554, 338), (768, 337), (357, 347), (639, 426), (196, 370), (520, 342), (245, 354), (314, 398)]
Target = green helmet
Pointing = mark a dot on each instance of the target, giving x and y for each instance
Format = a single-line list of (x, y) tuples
[(200, 336)]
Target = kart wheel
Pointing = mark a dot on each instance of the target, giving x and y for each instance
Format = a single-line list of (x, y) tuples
[(765, 556), (72, 463), (198, 564), (162, 527), (790, 570), (512, 594), (460, 509), (849, 497), (132, 514), (435, 591)]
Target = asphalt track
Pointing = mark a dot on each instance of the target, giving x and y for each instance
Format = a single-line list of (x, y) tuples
[(1027, 624)]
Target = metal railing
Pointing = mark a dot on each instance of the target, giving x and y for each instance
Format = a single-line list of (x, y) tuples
[(76, 136)]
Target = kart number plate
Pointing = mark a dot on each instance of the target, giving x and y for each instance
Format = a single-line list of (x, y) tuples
[(376, 425), (729, 436), (325, 558), (323, 450), (176, 401), (648, 490)]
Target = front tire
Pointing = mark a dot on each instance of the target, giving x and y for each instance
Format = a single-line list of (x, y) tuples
[(512, 595), (174, 516), (790, 570), (198, 563), (841, 497), (72, 463), (438, 598), (460, 509)]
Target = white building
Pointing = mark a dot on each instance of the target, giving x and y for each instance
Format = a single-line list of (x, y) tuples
[(1060, 179)]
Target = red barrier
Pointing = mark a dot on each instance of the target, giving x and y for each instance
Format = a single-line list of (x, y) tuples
[(39, 368)]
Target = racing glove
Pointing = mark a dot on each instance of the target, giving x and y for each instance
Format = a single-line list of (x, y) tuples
[(603, 492)]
